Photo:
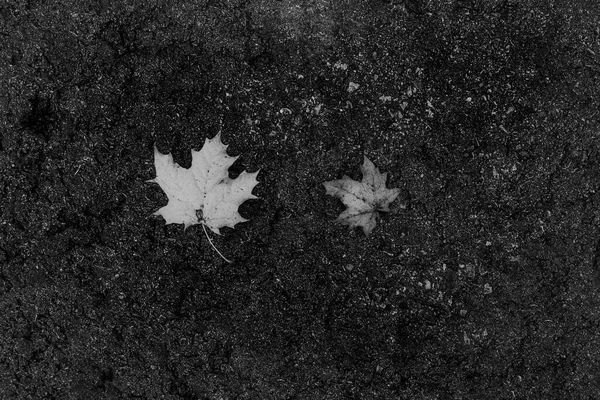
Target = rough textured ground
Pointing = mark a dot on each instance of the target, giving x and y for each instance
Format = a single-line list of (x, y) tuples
[(482, 282)]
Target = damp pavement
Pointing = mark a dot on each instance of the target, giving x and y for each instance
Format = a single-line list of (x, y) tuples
[(481, 282)]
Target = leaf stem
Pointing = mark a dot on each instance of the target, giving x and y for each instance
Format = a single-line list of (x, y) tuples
[(213, 246)]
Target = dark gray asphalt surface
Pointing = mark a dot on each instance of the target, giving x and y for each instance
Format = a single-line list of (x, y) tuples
[(481, 283)]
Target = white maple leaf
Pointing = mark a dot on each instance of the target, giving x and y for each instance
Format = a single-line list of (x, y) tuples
[(363, 199), (204, 193)]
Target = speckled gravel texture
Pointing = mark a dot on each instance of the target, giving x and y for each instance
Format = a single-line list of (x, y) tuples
[(482, 282)]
